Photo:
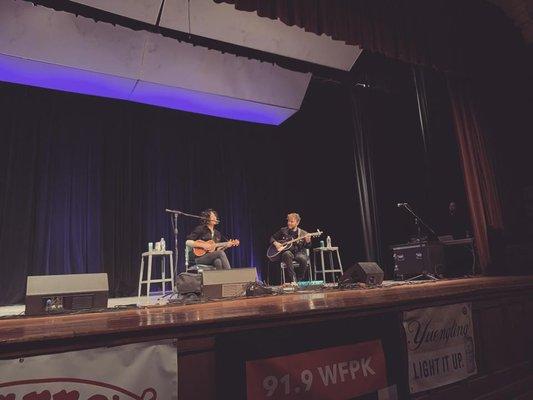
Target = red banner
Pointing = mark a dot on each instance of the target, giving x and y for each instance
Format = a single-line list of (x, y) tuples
[(336, 373)]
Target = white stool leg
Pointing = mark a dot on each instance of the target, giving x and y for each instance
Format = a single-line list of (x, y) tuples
[(314, 265), (163, 275), (282, 274), (332, 265), (323, 266), (339, 259), (141, 276), (149, 277), (171, 272)]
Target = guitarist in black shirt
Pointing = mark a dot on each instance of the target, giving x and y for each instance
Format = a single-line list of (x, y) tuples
[(207, 240), (297, 251)]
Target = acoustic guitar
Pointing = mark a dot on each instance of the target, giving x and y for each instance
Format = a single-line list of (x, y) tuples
[(200, 251), (273, 253)]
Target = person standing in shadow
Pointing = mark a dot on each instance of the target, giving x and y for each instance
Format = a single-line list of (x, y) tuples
[(458, 258), (456, 222)]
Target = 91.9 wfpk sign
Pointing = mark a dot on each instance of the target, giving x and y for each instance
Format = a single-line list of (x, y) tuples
[(341, 372)]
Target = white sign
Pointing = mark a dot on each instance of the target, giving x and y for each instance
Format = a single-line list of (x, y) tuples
[(140, 371), (440, 345)]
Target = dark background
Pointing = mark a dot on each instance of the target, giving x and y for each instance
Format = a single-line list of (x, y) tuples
[(84, 181)]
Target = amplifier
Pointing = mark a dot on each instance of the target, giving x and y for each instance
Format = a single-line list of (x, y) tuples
[(418, 258), (222, 283)]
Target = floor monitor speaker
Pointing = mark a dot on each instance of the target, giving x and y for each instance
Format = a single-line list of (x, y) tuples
[(365, 272), (227, 282), (63, 293)]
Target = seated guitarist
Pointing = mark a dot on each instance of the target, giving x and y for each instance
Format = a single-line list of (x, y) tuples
[(297, 250), (204, 233)]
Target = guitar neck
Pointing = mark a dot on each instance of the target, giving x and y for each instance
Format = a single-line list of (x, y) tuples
[(300, 238), (222, 244), (294, 240), (219, 244)]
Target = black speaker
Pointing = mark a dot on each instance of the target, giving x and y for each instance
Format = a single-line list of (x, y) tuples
[(365, 272)]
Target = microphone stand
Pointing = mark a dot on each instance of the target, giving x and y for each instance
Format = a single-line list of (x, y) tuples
[(174, 222), (178, 212), (420, 222)]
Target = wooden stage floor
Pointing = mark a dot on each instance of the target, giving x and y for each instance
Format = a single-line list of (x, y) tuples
[(251, 313)]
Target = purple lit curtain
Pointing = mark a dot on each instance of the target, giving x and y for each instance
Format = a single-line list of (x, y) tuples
[(84, 183)]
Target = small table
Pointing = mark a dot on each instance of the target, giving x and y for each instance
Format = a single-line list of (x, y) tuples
[(327, 269), (164, 279)]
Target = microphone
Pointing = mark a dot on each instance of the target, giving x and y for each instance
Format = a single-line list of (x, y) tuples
[(401, 205)]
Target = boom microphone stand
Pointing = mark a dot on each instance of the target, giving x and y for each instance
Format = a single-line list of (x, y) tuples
[(174, 222), (419, 222)]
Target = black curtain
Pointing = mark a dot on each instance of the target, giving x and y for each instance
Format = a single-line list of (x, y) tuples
[(398, 155), (366, 185), (408, 148), (84, 182), (458, 38), (443, 177)]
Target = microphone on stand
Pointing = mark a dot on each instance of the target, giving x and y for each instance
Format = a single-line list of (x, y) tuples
[(178, 212)]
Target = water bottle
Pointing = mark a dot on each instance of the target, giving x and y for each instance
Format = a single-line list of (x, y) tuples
[(328, 242), (163, 245)]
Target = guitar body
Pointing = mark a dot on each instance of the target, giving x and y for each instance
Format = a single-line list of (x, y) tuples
[(199, 251), (273, 254)]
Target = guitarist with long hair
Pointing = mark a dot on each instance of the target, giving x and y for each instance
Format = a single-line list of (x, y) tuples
[(206, 244), (297, 250)]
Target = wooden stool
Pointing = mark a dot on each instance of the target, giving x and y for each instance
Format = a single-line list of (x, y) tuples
[(327, 269), (163, 280)]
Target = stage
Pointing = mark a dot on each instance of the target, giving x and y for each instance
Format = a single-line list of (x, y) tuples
[(131, 314), (216, 336)]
